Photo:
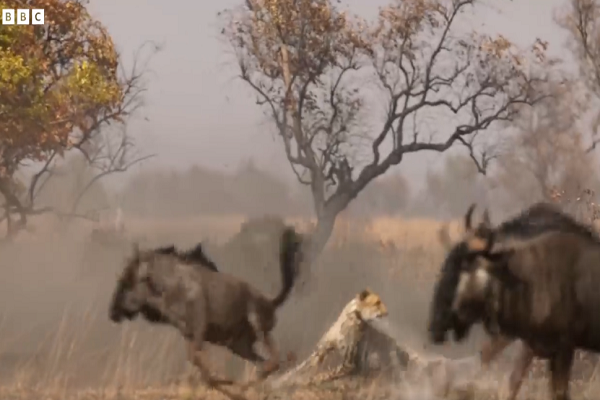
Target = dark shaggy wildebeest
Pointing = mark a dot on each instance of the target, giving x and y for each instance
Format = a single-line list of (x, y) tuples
[(540, 288), (531, 222), (204, 305)]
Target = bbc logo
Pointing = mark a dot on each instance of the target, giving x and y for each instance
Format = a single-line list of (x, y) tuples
[(22, 16)]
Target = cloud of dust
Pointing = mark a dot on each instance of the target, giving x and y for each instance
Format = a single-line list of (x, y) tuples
[(432, 376)]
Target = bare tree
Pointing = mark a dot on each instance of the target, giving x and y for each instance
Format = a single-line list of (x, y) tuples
[(315, 70), (547, 150), (581, 19), (550, 154)]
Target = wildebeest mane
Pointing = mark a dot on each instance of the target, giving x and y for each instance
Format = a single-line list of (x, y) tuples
[(194, 255), (170, 249), (540, 218)]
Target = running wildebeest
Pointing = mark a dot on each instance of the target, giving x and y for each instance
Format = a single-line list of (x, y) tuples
[(541, 289), (205, 305), (533, 221)]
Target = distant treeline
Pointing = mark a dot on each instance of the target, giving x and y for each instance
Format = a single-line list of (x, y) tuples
[(252, 191), (249, 191)]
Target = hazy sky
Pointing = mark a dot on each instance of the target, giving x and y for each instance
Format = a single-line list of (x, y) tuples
[(200, 114)]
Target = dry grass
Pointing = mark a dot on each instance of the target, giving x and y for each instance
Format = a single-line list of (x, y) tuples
[(56, 341)]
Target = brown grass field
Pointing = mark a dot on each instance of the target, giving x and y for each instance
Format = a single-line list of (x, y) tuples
[(56, 341)]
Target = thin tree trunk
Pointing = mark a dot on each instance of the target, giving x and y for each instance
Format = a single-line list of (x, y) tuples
[(326, 217), (319, 237), (12, 201)]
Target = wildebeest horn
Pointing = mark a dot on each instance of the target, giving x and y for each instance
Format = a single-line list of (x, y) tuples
[(444, 237), (486, 219), (469, 217)]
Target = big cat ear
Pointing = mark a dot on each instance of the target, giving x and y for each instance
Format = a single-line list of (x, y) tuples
[(364, 294)]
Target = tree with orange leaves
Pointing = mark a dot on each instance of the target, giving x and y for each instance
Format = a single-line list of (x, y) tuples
[(61, 85), (316, 71)]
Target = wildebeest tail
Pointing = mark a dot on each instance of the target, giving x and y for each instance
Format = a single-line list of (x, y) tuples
[(290, 246)]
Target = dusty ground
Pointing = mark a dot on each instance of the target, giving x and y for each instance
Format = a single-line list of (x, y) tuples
[(347, 389), (56, 341)]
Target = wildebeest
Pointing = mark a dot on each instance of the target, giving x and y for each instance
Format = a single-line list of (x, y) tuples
[(204, 305), (531, 222), (540, 288)]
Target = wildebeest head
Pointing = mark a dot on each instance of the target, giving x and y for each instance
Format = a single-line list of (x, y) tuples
[(131, 291), (457, 281), (133, 287)]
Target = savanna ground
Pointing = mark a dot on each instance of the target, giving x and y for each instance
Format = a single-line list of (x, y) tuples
[(58, 343)]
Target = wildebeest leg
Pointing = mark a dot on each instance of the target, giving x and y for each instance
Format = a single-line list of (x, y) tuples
[(560, 367), (244, 348), (272, 364), (195, 357), (519, 371), (262, 326), (194, 328), (493, 347), (490, 350)]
